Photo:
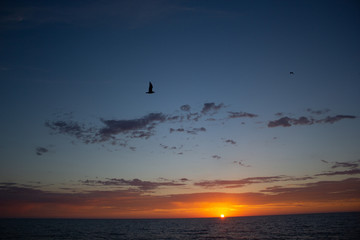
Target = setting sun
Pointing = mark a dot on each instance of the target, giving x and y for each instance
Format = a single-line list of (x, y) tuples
[(222, 215)]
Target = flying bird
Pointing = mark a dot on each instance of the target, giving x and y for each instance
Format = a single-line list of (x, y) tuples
[(292, 73), (150, 91)]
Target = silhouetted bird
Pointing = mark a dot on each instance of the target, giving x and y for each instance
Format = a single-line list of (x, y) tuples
[(150, 91), (291, 73)]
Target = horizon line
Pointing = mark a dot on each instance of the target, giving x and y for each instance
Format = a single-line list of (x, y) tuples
[(169, 218)]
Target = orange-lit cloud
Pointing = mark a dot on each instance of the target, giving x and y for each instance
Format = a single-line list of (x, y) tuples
[(323, 196)]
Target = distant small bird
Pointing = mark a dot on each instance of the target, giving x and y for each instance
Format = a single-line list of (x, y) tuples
[(150, 91), (292, 73)]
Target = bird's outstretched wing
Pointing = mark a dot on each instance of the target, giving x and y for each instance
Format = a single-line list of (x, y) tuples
[(150, 91), (150, 87)]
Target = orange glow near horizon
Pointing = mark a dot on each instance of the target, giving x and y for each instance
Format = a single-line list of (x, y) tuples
[(57, 211), (189, 211), (212, 205)]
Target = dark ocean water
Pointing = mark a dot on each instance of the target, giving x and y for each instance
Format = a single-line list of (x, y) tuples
[(310, 226)]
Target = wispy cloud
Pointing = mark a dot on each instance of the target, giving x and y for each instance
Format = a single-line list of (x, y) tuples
[(317, 191), (318, 112), (185, 107), (287, 121), (352, 168), (41, 150), (241, 115), (120, 131), (73, 128), (230, 141), (136, 128), (169, 147), (133, 128), (354, 164), (211, 108), (216, 157), (176, 130), (140, 184), (247, 181), (345, 172), (240, 182), (324, 161), (196, 130), (336, 118), (241, 163), (190, 130)]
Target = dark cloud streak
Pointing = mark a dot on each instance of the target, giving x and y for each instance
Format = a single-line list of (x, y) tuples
[(211, 108), (335, 173), (241, 115), (230, 141), (334, 119), (41, 150), (287, 121), (140, 184), (138, 128)]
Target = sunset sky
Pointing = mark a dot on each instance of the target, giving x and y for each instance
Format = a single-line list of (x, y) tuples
[(256, 108)]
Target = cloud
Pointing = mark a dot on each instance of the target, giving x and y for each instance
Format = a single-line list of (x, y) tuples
[(196, 130), (41, 150), (140, 184), (190, 130), (74, 129), (138, 128), (287, 121), (318, 112), (241, 163), (334, 173), (170, 148), (247, 181), (211, 108), (283, 122), (133, 128), (346, 164), (177, 130), (120, 131), (335, 118), (30, 202), (352, 165), (353, 168), (241, 115), (238, 183), (230, 141), (302, 121), (164, 146), (185, 107), (318, 191)]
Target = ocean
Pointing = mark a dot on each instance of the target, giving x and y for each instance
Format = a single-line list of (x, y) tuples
[(305, 226)]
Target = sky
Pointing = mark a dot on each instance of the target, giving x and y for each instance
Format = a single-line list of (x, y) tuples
[(255, 110)]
